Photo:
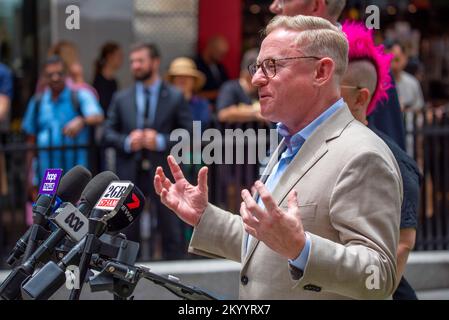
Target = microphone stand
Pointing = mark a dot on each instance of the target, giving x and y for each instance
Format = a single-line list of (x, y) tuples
[(96, 228), (37, 230), (131, 275)]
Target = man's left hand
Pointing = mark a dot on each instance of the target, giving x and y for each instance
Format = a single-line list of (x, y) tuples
[(282, 231), (149, 139), (74, 127)]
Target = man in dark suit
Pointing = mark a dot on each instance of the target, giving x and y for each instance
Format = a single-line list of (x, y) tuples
[(138, 126)]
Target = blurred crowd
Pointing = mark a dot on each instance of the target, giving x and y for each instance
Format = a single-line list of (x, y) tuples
[(68, 114)]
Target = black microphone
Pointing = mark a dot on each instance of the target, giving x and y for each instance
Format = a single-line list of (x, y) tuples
[(10, 288), (43, 284), (129, 211), (69, 190)]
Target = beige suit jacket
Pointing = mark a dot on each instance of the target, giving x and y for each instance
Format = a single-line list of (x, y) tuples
[(350, 193)]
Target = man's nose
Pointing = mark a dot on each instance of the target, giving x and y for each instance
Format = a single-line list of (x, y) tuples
[(276, 7), (259, 79)]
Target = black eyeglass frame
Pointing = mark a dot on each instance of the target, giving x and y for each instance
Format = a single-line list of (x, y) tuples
[(253, 67)]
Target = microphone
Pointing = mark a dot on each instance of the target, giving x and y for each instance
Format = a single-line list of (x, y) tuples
[(43, 284), (69, 190), (10, 288), (128, 212)]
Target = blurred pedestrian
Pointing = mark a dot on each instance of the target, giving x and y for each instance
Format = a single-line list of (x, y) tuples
[(107, 65), (105, 83), (6, 95), (58, 117), (237, 99), (138, 126), (210, 62), (184, 75)]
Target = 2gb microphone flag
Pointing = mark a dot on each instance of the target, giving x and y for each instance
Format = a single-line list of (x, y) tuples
[(116, 191)]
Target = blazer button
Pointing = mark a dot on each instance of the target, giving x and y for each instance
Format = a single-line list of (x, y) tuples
[(244, 280), (312, 287)]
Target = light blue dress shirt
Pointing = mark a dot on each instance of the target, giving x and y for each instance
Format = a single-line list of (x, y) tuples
[(155, 88), (294, 143)]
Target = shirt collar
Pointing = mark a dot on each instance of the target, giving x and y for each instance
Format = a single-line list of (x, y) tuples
[(65, 93), (154, 88), (295, 141)]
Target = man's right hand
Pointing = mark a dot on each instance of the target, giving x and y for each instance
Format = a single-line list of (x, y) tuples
[(187, 201), (136, 140)]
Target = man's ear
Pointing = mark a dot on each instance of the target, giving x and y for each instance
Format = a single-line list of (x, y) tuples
[(325, 71), (319, 8), (363, 98)]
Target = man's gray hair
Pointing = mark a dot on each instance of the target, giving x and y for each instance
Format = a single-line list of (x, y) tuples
[(335, 8), (316, 37)]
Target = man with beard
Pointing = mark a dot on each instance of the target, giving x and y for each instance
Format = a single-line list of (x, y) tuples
[(138, 126)]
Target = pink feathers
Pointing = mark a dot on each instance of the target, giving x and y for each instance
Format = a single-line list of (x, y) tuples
[(362, 47)]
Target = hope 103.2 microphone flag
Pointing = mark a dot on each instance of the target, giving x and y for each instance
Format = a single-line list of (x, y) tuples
[(50, 182)]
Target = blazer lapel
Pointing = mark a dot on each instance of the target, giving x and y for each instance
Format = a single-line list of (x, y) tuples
[(266, 173), (132, 112), (307, 157), (310, 153), (161, 106)]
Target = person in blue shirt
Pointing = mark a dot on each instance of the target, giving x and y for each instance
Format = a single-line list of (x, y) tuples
[(6, 93), (60, 117)]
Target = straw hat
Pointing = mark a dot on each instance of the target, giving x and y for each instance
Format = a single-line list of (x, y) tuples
[(186, 67)]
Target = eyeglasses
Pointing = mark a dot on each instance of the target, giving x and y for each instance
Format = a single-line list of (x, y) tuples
[(351, 87), (269, 65), (51, 74)]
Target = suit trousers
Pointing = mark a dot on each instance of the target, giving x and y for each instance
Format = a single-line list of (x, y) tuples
[(404, 291)]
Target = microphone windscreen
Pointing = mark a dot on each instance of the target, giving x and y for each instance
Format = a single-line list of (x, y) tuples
[(43, 201), (72, 184), (95, 188), (129, 211)]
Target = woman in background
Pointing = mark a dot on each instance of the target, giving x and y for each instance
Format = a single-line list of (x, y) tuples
[(107, 65), (184, 75)]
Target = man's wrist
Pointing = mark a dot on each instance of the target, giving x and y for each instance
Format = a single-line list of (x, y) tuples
[(298, 247), (82, 120), (198, 220), (300, 261)]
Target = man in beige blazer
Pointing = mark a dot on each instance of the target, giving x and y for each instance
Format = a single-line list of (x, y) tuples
[(324, 222)]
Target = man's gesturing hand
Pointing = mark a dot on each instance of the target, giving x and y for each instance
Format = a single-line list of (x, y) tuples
[(282, 231), (187, 201)]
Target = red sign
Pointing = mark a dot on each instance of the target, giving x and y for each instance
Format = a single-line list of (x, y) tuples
[(110, 203), (135, 203)]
